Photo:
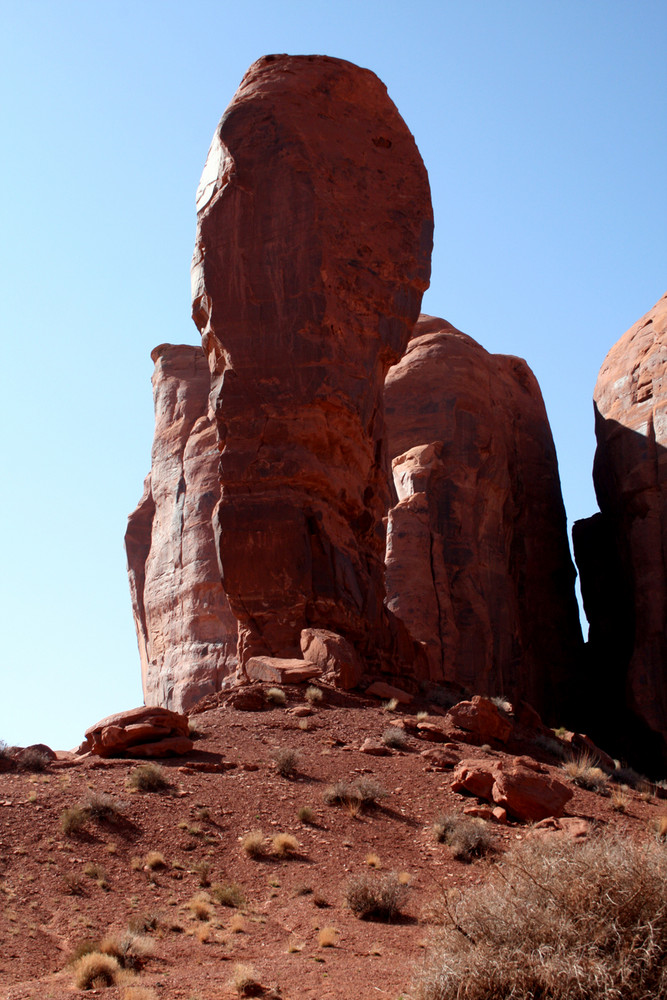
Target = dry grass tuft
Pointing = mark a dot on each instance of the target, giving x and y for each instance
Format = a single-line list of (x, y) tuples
[(276, 696), (584, 772), (227, 894), (254, 844), (154, 860), (375, 897), (327, 937), (582, 921), (245, 981), (395, 738), (391, 705), (306, 814), (200, 907), (149, 778), (284, 844), (95, 970), (373, 860), (313, 694), (237, 923), (467, 838), (129, 949), (73, 819)]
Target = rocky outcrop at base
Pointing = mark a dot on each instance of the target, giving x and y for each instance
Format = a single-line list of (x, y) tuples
[(139, 732)]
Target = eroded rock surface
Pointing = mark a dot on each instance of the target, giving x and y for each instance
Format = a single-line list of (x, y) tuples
[(478, 564), (140, 732), (314, 234), (186, 631), (622, 551)]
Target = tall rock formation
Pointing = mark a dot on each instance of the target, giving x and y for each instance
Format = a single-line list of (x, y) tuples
[(622, 551), (314, 235), (186, 632), (478, 563)]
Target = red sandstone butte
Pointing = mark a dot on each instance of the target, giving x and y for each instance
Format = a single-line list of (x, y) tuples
[(622, 551), (186, 632), (314, 236), (478, 563)]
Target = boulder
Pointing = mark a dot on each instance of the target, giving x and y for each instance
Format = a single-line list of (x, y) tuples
[(314, 235), (336, 658), (140, 732), (522, 787), (429, 731), (528, 791), (440, 760), (375, 748), (482, 717), (278, 670), (478, 563), (621, 550), (186, 632)]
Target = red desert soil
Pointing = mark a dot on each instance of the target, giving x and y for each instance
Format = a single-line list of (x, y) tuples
[(226, 788)]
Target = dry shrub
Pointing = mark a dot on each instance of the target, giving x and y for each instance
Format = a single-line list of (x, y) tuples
[(154, 860), (276, 696), (467, 837), (73, 819), (245, 982), (395, 738), (97, 873), (620, 800), (33, 759), (558, 919), (129, 949), (313, 694), (327, 937), (103, 808), (149, 778), (373, 860), (95, 970), (254, 844), (361, 792), (237, 923), (286, 761), (306, 814), (284, 844), (584, 772), (375, 897), (200, 907), (227, 894)]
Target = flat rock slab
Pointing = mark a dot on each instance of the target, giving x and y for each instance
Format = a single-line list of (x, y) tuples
[(276, 670), (379, 689)]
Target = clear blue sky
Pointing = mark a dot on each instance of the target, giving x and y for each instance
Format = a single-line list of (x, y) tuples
[(542, 124)]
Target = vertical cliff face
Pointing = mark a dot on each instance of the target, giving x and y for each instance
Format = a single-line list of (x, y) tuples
[(622, 551), (186, 632), (478, 565), (314, 234)]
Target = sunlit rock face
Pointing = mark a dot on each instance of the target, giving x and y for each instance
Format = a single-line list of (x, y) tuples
[(314, 236), (186, 631), (622, 551), (478, 563)]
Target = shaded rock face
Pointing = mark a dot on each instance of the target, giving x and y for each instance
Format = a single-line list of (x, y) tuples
[(622, 551), (478, 564), (186, 631), (314, 235)]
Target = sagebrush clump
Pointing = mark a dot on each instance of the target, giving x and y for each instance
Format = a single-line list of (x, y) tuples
[(379, 897), (149, 778), (559, 920), (467, 837)]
